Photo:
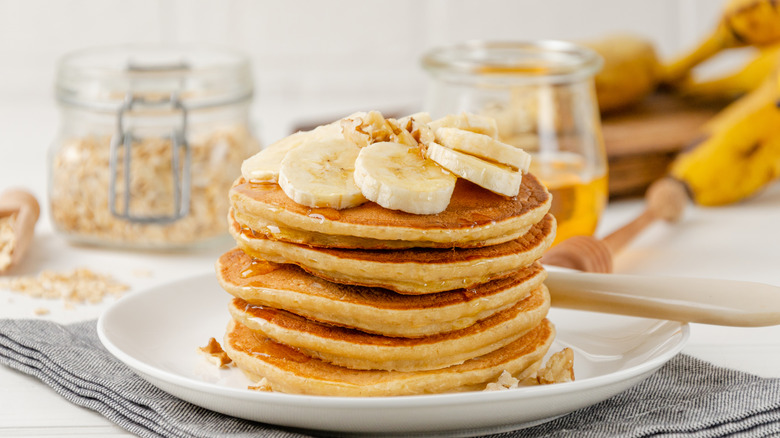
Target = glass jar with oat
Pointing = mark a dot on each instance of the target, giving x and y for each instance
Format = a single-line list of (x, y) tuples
[(150, 141), (542, 96)]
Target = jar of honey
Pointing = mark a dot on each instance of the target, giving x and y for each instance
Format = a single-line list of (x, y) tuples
[(150, 141), (542, 96)]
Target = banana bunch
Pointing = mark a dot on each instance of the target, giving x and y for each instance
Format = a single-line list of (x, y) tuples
[(743, 23), (630, 71), (740, 150), (740, 153), (410, 164)]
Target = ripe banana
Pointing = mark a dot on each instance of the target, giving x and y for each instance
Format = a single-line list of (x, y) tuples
[(742, 23), (483, 146), (395, 163), (497, 178), (630, 71), (738, 83), (398, 177), (468, 122), (320, 174), (741, 153), (264, 165)]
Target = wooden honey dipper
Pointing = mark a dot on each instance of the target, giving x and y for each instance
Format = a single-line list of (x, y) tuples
[(24, 205), (665, 199)]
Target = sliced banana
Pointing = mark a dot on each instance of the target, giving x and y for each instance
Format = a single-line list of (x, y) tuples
[(420, 117), (483, 146), (319, 173), (398, 177), (494, 177), (469, 122), (264, 165)]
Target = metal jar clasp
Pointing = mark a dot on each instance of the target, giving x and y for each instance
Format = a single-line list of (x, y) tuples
[(181, 157)]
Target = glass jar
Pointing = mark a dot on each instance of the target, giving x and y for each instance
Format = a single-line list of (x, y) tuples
[(150, 141), (542, 96)]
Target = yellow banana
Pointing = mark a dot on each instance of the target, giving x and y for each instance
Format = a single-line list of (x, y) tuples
[(736, 84), (630, 70), (741, 152), (742, 23)]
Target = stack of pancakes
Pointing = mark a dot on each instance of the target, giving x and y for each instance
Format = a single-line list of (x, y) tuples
[(368, 301)]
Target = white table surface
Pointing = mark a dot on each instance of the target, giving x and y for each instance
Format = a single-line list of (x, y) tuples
[(740, 242)]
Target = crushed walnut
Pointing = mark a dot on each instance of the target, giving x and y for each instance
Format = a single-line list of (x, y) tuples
[(78, 286), (558, 369), (505, 381), (262, 385), (213, 353), (7, 240)]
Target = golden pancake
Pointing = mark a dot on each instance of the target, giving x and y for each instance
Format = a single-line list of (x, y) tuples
[(373, 310), (408, 271), (289, 370), (474, 217), (355, 349)]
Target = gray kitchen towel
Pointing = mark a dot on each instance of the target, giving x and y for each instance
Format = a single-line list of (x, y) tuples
[(686, 398)]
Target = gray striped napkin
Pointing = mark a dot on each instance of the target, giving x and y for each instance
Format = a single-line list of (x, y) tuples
[(685, 398)]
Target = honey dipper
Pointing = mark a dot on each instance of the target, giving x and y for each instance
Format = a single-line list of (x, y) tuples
[(665, 199), (24, 205)]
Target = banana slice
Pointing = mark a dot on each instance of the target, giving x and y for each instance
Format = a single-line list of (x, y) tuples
[(469, 122), (264, 165), (483, 146), (319, 173), (494, 177), (420, 117), (398, 177)]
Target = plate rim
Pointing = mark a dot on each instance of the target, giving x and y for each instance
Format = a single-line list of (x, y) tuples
[(362, 403)]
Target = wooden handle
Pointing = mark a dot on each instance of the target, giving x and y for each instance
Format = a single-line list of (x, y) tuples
[(665, 199), (700, 300), (27, 210)]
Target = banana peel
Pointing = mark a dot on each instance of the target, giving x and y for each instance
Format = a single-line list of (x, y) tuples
[(740, 153)]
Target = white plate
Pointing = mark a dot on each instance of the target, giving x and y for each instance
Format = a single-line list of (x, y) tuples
[(156, 332)]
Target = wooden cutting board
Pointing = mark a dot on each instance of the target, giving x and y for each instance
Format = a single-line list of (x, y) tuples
[(643, 141)]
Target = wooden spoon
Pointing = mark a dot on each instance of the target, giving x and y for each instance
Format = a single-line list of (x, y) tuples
[(24, 205), (701, 300), (665, 199)]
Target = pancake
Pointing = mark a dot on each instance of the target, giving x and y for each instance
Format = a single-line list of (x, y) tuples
[(373, 310), (288, 370), (407, 271), (277, 231), (474, 217), (358, 350)]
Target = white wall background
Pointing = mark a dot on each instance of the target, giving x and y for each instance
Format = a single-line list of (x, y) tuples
[(311, 56)]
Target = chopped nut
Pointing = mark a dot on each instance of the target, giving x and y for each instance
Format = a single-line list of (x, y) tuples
[(214, 353), (373, 128), (558, 369), (78, 286), (505, 381), (40, 311), (262, 385)]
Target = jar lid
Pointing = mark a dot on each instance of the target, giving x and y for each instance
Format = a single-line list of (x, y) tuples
[(102, 78), (512, 62)]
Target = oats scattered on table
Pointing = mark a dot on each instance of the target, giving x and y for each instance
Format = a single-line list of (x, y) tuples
[(78, 286)]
